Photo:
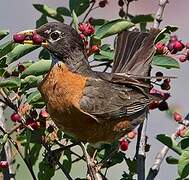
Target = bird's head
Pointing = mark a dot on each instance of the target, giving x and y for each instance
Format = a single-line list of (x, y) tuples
[(60, 39)]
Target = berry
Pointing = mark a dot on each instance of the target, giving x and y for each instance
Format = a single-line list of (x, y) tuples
[(21, 68), (91, 20), (163, 106), (32, 123), (181, 131), (86, 28), (122, 13), (178, 46), (124, 145), (4, 164), (159, 74), (37, 39), (153, 105), (132, 134), (177, 117), (160, 48), (165, 86), (85, 43), (170, 47), (173, 38), (44, 113), (183, 58), (103, 3), (15, 73), (94, 49), (82, 36), (18, 38), (187, 45), (166, 96), (15, 117), (50, 129), (121, 3), (147, 148)]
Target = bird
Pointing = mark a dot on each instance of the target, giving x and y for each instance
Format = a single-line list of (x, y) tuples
[(91, 106)]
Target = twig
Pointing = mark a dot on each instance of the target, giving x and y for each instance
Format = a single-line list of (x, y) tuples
[(90, 9), (159, 14), (162, 153)]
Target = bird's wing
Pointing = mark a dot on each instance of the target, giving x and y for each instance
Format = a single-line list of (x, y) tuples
[(105, 100)]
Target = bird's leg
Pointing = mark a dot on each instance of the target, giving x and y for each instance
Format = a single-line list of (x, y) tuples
[(108, 157), (93, 175)]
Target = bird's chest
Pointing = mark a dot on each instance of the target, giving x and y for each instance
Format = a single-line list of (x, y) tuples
[(62, 90)]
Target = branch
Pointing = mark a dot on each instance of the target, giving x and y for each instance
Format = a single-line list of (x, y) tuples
[(159, 14)]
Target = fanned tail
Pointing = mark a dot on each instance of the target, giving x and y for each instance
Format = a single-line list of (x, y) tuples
[(134, 52)]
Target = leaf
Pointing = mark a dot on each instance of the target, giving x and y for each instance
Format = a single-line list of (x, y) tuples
[(44, 54), (142, 18), (112, 27), (166, 140), (3, 33), (64, 11), (184, 143), (75, 20), (18, 51), (171, 160), (67, 160), (6, 48), (165, 33), (98, 22), (31, 81), (79, 6), (50, 12), (10, 83), (39, 68), (34, 97), (165, 61), (108, 54), (42, 20), (183, 164)]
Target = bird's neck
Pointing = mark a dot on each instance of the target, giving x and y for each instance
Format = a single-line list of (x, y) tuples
[(76, 62)]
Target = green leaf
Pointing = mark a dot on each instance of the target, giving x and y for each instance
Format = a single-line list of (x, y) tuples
[(3, 33), (67, 160), (50, 12), (165, 61), (42, 20), (142, 18), (31, 81), (183, 164), (11, 83), (112, 27), (171, 143), (34, 97), (64, 11), (171, 160), (18, 51), (98, 22), (79, 6), (107, 54), (44, 54), (165, 33), (184, 143), (75, 20), (39, 68), (6, 48)]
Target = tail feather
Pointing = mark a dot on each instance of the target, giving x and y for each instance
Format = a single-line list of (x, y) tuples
[(134, 52)]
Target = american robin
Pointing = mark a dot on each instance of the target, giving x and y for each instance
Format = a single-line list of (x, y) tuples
[(96, 107)]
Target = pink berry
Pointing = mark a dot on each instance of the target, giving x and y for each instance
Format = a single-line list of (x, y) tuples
[(124, 145), (37, 39), (132, 134), (18, 38), (15, 117), (187, 45), (82, 36), (94, 49), (86, 28), (177, 117), (173, 38), (183, 58), (44, 113), (160, 48), (178, 45), (4, 164)]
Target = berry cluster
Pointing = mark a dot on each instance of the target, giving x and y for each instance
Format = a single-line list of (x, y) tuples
[(174, 46), (88, 30)]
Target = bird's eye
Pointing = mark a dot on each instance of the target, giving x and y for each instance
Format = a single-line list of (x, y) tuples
[(55, 35)]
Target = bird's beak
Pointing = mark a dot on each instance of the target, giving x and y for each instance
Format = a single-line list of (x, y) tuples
[(29, 37)]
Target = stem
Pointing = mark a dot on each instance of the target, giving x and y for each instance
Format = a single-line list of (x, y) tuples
[(90, 9), (159, 14), (127, 8)]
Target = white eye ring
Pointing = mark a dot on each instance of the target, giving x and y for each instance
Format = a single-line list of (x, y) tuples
[(55, 35)]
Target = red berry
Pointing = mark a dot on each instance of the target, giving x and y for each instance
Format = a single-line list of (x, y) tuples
[(15, 117), (183, 58), (32, 123), (86, 28), (4, 164), (91, 20), (170, 47), (18, 38), (159, 74), (163, 106), (153, 105), (82, 36), (124, 145), (173, 38), (37, 39), (165, 86), (177, 117), (187, 45), (121, 3), (178, 45), (44, 113), (94, 49), (160, 48), (132, 134)]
